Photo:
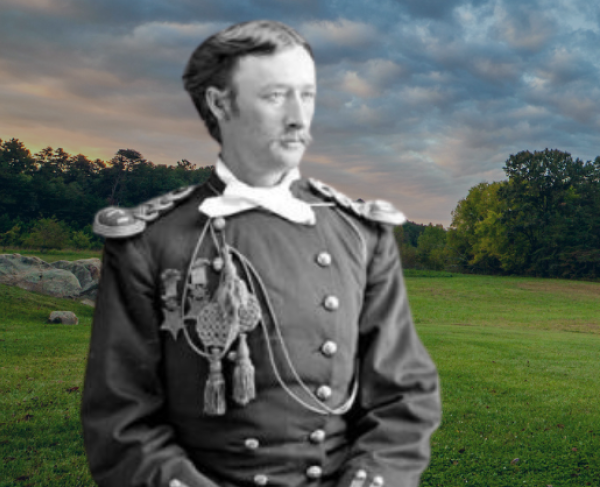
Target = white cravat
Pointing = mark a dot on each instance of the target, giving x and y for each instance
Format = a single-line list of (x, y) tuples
[(239, 197)]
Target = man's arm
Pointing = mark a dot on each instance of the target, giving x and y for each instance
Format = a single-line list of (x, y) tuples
[(126, 438), (398, 406)]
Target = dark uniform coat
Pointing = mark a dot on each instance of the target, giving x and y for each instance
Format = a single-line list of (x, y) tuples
[(341, 314)]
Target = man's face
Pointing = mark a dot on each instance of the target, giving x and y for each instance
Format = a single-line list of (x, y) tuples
[(269, 128)]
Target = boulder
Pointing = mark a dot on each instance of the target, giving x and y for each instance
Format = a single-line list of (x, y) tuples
[(33, 274), (87, 271), (90, 291), (63, 317)]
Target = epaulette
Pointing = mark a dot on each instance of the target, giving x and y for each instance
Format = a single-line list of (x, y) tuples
[(115, 222), (376, 210)]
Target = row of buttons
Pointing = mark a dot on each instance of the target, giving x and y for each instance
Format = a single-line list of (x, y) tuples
[(317, 436), (328, 349), (314, 472)]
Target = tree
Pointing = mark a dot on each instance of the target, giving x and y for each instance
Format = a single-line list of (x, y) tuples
[(476, 239), (48, 233), (11, 237), (81, 240), (430, 248), (408, 253), (185, 165), (552, 204), (15, 158)]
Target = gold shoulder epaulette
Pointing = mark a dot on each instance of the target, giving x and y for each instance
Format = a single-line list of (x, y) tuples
[(114, 222), (376, 210)]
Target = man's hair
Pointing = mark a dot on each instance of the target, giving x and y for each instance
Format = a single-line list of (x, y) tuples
[(214, 61)]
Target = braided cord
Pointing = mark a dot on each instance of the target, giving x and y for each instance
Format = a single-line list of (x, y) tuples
[(320, 407), (194, 347)]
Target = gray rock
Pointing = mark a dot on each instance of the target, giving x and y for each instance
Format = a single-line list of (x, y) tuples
[(63, 317), (87, 271), (33, 274), (90, 291)]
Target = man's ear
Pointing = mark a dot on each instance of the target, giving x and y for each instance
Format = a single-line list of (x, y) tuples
[(219, 102)]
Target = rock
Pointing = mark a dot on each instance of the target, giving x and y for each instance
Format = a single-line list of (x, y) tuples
[(33, 274), (88, 302), (63, 317), (87, 271), (90, 291)]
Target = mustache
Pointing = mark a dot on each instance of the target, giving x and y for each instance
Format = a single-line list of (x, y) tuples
[(304, 137)]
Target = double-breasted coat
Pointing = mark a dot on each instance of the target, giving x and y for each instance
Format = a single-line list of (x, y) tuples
[(345, 393)]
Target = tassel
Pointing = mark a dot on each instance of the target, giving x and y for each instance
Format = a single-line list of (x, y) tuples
[(214, 390), (244, 389)]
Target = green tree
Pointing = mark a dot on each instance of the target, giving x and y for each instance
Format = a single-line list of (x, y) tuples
[(12, 237), (48, 233), (408, 253), (551, 217), (15, 158), (431, 248), (476, 241), (81, 240)]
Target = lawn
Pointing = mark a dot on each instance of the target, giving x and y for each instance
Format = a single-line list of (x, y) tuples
[(518, 360), (53, 255)]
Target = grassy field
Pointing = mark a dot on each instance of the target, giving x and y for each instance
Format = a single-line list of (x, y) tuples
[(518, 360), (54, 255)]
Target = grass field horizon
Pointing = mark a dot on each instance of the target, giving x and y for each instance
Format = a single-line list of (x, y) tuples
[(517, 357)]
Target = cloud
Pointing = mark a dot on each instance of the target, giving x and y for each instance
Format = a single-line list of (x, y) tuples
[(417, 100), (523, 27), (334, 41)]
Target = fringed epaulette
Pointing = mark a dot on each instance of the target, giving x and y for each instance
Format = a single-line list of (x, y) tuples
[(376, 210), (115, 222)]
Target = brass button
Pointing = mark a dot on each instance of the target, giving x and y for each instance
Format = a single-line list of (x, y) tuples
[(261, 479), (317, 436), (331, 303), (324, 392), (329, 348), (219, 223), (218, 264), (360, 475), (314, 472), (377, 481), (251, 443), (324, 259)]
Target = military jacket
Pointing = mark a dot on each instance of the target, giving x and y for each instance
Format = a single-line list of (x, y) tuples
[(346, 394)]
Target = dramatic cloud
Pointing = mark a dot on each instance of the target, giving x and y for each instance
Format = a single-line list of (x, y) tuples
[(418, 100)]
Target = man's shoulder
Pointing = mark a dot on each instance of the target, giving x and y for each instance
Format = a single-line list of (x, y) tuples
[(118, 222), (378, 211)]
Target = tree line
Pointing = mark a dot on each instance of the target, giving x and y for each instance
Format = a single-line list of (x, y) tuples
[(542, 220), (49, 198)]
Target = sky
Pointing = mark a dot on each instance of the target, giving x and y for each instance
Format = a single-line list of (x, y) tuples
[(418, 100)]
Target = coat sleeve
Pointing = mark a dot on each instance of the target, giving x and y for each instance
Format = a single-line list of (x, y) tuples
[(398, 406), (127, 441)]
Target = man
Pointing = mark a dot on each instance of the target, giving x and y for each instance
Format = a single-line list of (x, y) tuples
[(255, 330)]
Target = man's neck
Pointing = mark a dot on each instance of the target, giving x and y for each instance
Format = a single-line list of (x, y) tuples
[(256, 178)]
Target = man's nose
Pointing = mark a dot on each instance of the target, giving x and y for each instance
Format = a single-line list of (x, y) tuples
[(297, 112)]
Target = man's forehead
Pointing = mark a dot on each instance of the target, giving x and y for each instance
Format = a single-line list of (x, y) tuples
[(292, 65)]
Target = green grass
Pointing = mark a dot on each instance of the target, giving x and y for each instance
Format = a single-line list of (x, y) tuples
[(518, 360), (54, 255), (41, 376)]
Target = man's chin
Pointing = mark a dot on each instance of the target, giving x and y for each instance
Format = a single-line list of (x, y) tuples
[(290, 158)]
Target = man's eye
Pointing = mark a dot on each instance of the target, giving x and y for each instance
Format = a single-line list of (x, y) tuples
[(276, 96), (309, 95)]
